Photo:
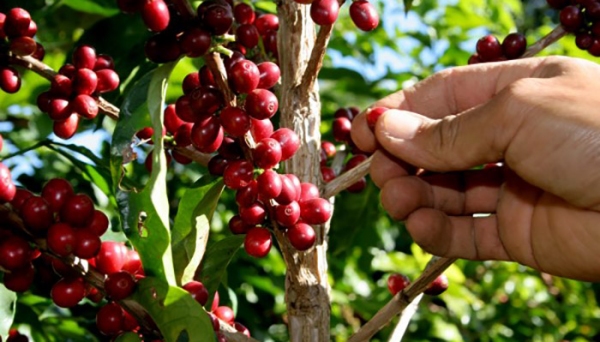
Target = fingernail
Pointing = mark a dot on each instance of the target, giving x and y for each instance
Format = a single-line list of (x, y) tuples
[(400, 124)]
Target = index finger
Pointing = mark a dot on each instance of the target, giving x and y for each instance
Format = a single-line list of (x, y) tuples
[(452, 91)]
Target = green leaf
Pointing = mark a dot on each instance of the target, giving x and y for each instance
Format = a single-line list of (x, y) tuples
[(128, 337), (102, 7), (98, 174), (145, 214), (215, 262), (174, 311), (8, 301), (191, 227)]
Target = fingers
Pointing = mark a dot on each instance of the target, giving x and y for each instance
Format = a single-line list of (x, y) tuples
[(455, 90), (385, 167), (456, 142), (462, 237), (454, 194), (452, 91)]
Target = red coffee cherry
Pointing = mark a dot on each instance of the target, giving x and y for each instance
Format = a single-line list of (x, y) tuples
[(359, 186), (438, 286), (218, 17), (23, 46), (108, 80), (571, 18), (315, 211), (172, 121), (15, 253), (324, 12), (8, 190), (207, 135), (40, 52), (111, 258), (61, 239), (327, 173), (247, 35), (21, 195), (238, 226), (269, 184), (36, 214), (133, 263), (341, 128), (84, 57), (364, 15), (267, 153), (373, 115), (67, 70), (238, 174), (20, 280), (267, 22), (269, 75), (243, 13), (86, 106), (98, 224), (87, 244), (236, 122), (488, 48), (85, 81), (302, 236), (329, 148), (109, 319), (62, 85), (225, 314), (67, 293), (261, 104), (17, 22), (66, 128), (59, 109), (253, 214), (198, 291), (217, 165), (344, 113), (308, 191), (287, 215), (514, 45), (288, 140), (119, 285), (195, 42), (397, 282), (289, 191), (104, 62), (205, 101), (156, 16), (247, 195), (77, 210), (244, 76), (258, 242), (261, 129), (56, 192), (10, 82)]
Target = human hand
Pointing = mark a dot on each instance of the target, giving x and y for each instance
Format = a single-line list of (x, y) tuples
[(541, 118)]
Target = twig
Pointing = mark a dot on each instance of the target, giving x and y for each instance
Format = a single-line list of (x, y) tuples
[(316, 57), (402, 299), (215, 64), (346, 179), (47, 72), (407, 314), (546, 41)]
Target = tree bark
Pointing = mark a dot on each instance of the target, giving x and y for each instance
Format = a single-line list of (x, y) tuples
[(307, 287)]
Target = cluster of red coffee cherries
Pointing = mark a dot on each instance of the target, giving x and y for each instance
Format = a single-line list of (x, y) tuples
[(75, 89), (398, 282), (581, 18), (325, 12), (17, 30), (7, 187), (15, 336), (489, 48), (67, 228)]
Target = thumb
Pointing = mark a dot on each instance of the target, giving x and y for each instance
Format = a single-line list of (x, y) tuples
[(455, 142)]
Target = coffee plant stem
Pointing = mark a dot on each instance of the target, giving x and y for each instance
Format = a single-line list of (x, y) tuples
[(545, 41), (346, 179), (316, 57), (402, 299), (405, 318)]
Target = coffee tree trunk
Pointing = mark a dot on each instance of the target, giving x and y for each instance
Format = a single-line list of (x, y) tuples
[(307, 287)]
